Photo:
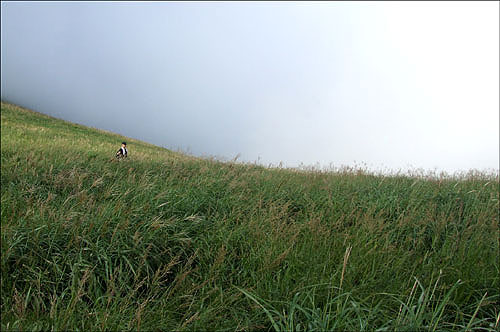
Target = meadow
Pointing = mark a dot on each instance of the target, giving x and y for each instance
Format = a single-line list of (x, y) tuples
[(168, 241)]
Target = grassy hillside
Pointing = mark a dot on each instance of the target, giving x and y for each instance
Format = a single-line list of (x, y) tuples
[(165, 241)]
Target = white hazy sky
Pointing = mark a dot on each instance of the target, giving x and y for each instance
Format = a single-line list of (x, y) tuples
[(397, 85)]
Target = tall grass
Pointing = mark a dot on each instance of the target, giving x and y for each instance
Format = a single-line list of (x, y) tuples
[(167, 241)]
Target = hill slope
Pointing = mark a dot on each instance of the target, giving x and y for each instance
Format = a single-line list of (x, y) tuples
[(167, 241)]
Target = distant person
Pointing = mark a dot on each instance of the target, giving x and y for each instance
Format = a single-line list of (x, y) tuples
[(122, 152)]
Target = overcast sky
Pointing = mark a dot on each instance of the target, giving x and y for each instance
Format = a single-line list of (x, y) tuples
[(393, 85)]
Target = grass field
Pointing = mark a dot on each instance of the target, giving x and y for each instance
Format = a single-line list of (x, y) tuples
[(166, 241)]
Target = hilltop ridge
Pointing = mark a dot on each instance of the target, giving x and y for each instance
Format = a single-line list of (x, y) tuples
[(169, 241)]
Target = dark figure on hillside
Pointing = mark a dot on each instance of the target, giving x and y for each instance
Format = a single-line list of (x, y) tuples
[(122, 152)]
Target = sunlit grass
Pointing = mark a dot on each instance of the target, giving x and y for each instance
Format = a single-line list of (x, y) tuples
[(173, 242)]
